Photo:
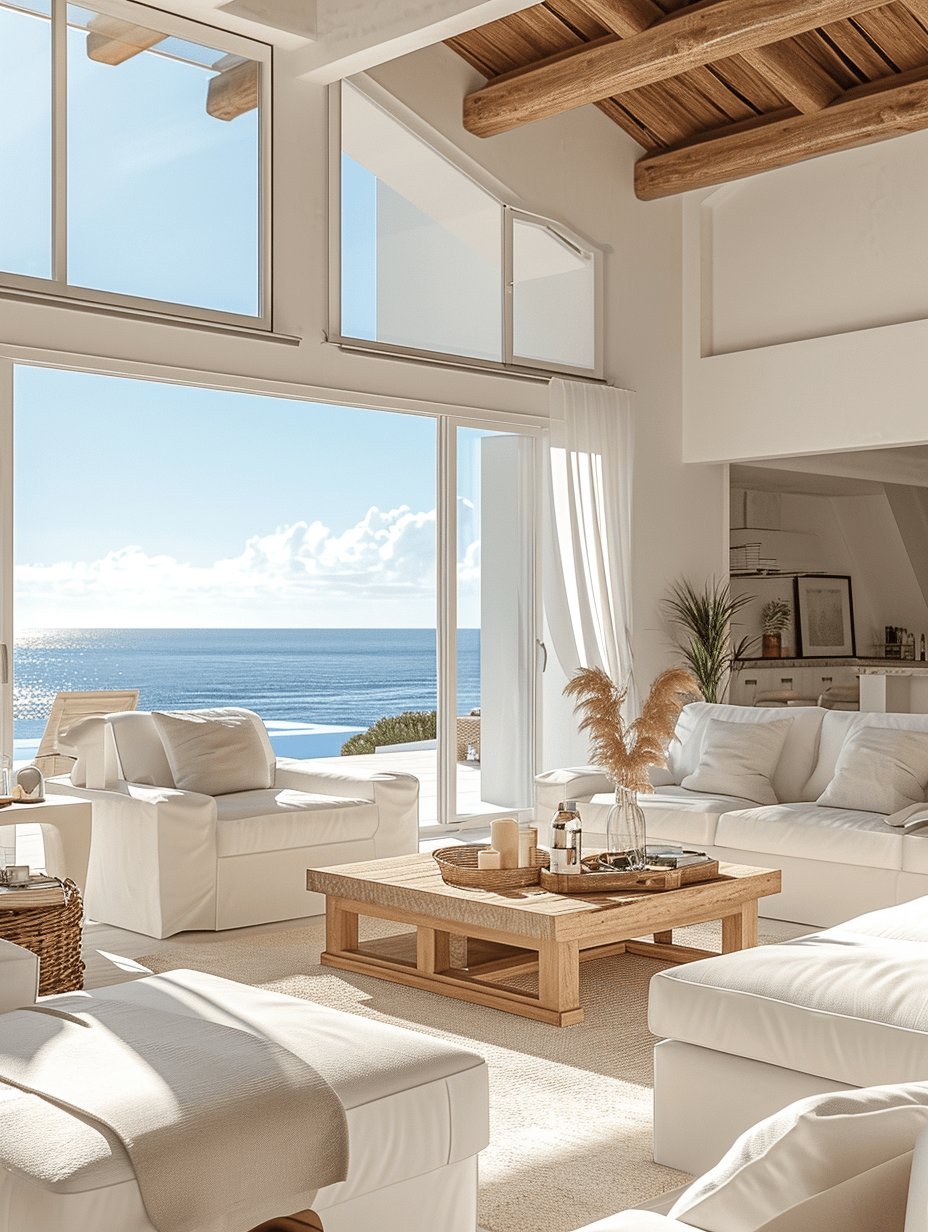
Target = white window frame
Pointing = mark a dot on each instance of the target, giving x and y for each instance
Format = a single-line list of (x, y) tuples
[(57, 289), (511, 207), (447, 421)]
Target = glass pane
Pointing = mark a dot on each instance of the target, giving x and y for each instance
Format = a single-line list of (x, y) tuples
[(163, 174), (553, 304), (495, 659), (421, 242), (283, 560), (26, 138)]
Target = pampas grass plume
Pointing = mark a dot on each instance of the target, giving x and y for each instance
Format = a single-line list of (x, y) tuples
[(626, 750)]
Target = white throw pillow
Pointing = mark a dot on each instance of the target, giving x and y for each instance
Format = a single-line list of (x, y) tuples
[(738, 759), (808, 1148), (214, 751), (879, 770)]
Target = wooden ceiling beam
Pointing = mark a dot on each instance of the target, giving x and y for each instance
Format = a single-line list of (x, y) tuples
[(869, 113), (918, 8), (234, 89), (682, 41), (625, 17), (793, 72), (790, 71), (113, 41)]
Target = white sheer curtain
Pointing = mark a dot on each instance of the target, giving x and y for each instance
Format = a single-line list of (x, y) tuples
[(588, 531)]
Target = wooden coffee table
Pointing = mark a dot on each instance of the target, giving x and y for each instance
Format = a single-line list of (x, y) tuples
[(467, 942)]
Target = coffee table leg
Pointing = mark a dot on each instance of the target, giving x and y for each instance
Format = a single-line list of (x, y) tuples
[(739, 931), (341, 927), (559, 975), (433, 950)]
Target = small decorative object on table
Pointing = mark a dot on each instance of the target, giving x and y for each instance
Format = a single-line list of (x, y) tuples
[(459, 866), (625, 751), (29, 787), (775, 617)]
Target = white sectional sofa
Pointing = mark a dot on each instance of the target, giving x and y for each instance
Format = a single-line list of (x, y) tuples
[(416, 1110), (836, 862), (747, 1034)]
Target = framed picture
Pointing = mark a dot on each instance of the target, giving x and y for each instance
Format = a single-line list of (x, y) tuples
[(825, 617)]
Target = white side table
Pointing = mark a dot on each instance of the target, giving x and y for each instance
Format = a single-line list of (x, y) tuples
[(65, 823)]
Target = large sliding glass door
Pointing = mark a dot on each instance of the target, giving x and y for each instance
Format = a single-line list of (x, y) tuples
[(314, 563), (495, 620)]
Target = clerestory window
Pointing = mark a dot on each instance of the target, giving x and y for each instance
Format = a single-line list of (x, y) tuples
[(432, 261), (133, 156)]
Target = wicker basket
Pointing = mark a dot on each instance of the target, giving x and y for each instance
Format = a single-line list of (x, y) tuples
[(53, 931), (458, 866), (468, 733)]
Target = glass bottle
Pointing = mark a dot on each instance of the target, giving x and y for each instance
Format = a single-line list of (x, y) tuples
[(626, 837)]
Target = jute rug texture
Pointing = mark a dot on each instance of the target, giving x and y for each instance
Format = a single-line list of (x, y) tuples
[(570, 1107)]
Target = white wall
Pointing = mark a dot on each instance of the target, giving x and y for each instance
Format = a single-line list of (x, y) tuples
[(577, 167), (805, 306)]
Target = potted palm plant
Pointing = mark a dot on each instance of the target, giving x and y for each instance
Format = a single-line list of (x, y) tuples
[(704, 618), (774, 618)]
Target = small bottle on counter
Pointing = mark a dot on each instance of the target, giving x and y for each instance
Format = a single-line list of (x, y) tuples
[(566, 839), (921, 649)]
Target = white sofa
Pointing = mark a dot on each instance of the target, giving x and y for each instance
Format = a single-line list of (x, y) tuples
[(416, 1107), (856, 1163), (746, 1034), (836, 862), (163, 860)]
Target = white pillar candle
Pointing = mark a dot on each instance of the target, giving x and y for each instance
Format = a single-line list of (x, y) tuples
[(488, 858), (528, 841), (505, 839)]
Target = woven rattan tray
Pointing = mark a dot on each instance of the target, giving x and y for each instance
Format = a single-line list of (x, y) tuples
[(592, 881), (47, 922), (458, 866)]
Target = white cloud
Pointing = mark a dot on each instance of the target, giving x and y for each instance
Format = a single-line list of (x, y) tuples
[(378, 573)]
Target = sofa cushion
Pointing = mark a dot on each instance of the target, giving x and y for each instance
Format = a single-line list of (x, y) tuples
[(879, 769), (808, 1148), (215, 751), (141, 754), (904, 922), (673, 814), (796, 761), (840, 1004), (846, 836), (836, 727), (737, 759), (278, 820)]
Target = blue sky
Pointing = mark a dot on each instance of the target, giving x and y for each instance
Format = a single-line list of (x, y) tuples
[(165, 505)]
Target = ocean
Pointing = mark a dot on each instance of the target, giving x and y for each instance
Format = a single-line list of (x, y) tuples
[(350, 677)]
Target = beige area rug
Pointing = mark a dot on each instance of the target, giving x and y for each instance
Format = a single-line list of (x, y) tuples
[(570, 1107)]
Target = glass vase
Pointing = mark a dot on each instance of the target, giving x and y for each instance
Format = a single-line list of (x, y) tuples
[(626, 839)]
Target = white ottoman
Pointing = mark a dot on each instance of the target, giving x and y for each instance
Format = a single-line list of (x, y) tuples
[(416, 1108), (749, 1033)]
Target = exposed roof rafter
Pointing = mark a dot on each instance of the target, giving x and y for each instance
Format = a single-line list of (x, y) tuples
[(714, 90), (681, 41)]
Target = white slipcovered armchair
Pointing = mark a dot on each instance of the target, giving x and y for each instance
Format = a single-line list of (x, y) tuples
[(164, 859)]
